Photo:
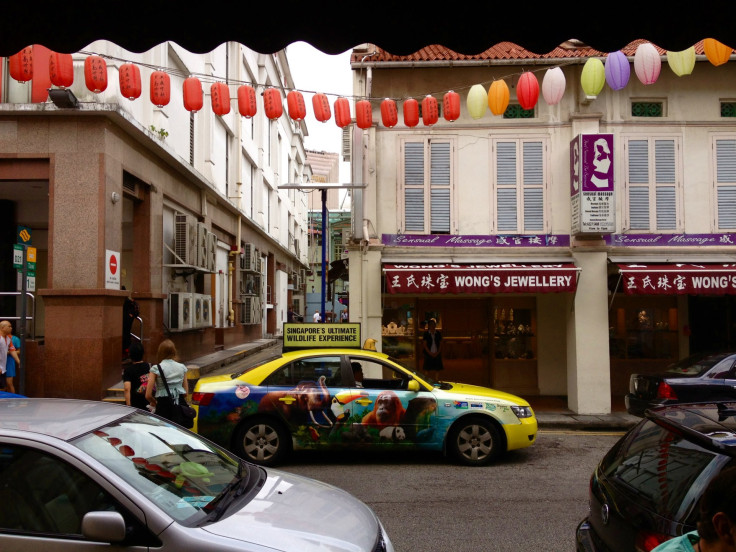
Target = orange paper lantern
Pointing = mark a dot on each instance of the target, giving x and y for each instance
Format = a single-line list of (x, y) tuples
[(61, 69), (411, 112), (130, 81), (193, 96), (364, 114), (389, 113), (498, 97), (321, 106), (430, 110), (247, 101), (451, 106), (272, 103), (21, 65), (527, 90), (160, 88), (716, 52), (295, 104), (220, 96), (95, 74), (342, 112)]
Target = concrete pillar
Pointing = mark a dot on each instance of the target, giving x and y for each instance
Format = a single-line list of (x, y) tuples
[(588, 360)]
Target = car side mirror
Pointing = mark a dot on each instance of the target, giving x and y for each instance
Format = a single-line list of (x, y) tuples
[(413, 386), (103, 526)]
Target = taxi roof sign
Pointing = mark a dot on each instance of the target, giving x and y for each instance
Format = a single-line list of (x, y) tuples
[(318, 336)]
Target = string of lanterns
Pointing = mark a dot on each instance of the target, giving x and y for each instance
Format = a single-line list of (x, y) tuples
[(615, 72)]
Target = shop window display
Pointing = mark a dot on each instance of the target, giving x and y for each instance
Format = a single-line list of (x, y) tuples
[(513, 333), (643, 330), (398, 332)]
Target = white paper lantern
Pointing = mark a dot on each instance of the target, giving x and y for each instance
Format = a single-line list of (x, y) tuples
[(647, 63), (553, 86), (477, 101)]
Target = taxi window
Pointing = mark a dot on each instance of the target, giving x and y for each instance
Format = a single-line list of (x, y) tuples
[(307, 369)]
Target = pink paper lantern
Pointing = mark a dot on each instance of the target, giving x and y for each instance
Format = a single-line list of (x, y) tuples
[(527, 90), (553, 86), (647, 64), (618, 70)]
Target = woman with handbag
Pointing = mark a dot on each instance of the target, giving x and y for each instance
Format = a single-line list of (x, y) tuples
[(170, 388)]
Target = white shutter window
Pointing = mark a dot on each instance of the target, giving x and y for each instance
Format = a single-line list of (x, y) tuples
[(427, 186), (519, 186), (726, 183), (653, 185)]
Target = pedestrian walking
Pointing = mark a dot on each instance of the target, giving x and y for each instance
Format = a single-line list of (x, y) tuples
[(8, 351), (135, 378), (176, 377)]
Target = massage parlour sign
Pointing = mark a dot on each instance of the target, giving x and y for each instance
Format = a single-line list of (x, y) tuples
[(592, 196)]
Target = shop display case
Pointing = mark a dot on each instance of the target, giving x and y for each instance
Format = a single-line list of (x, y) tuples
[(643, 332), (398, 334)]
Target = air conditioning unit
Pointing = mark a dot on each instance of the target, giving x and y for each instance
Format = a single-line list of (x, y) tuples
[(251, 311), (201, 245), (250, 284), (197, 303), (180, 311), (211, 252), (206, 311), (249, 259), (185, 239)]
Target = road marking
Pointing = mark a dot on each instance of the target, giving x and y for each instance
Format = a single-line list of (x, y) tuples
[(580, 432)]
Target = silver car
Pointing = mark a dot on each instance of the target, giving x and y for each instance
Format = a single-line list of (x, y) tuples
[(84, 475)]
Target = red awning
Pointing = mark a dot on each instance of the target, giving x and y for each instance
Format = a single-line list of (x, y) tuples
[(490, 278), (679, 279)]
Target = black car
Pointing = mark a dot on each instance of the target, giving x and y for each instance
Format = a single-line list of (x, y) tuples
[(647, 487), (705, 377)]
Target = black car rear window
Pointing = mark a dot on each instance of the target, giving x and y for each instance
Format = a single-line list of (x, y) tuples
[(665, 472)]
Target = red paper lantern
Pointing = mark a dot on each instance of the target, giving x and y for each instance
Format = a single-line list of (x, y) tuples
[(527, 90), (342, 112), (321, 106), (389, 113), (220, 96), (272, 104), (193, 95), (130, 81), (95, 74), (160, 88), (61, 69), (451, 106), (21, 65), (295, 104), (411, 112), (363, 114), (430, 111), (247, 101)]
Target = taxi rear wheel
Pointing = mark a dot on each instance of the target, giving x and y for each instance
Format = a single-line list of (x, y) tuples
[(474, 442), (262, 441)]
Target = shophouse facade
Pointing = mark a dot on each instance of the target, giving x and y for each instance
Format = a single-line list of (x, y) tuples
[(179, 209), (561, 248)]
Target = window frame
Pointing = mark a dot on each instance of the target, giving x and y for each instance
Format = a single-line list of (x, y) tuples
[(522, 217), (652, 186), (426, 186)]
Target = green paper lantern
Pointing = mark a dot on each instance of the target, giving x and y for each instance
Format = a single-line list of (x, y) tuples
[(477, 101), (682, 63), (593, 77)]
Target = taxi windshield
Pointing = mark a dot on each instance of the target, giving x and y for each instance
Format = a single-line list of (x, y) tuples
[(179, 472)]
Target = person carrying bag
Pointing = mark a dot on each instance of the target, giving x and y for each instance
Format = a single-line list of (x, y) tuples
[(169, 379)]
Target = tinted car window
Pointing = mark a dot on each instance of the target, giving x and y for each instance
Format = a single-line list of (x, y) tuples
[(666, 472), (308, 369), (700, 364)]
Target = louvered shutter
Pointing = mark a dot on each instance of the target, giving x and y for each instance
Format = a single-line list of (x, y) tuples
[(506, 182), (726, 183), (533, 177), (414, 186), (665, 177), (440, 187), (638, 177)]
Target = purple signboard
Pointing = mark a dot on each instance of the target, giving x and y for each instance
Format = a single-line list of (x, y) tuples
[(669, 240), (592, 184), (448, 240), (597, 162)]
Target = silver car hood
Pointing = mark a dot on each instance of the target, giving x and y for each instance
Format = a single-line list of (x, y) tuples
[(296, 513)]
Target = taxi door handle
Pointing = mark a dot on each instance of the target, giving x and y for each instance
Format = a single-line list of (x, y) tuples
[(287, 400), (364, 402)]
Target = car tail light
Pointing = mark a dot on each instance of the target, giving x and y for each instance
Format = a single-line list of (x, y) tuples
[(202, 399), (665, 391), (647, 540)]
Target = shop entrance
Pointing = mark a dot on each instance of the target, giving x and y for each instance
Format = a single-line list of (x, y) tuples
[(712, 323)]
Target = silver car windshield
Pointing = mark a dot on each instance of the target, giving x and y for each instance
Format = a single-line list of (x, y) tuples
[(177, 471)]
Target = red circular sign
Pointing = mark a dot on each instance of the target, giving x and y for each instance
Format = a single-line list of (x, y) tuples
[(113, 264)]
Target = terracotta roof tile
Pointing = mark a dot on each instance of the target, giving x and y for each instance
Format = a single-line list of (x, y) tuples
[(501, 51)]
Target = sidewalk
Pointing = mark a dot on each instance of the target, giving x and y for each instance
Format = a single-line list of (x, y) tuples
[(551, 412)]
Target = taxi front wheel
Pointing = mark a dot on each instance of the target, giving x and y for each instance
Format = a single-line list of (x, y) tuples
[(262, 441), (474, 442)]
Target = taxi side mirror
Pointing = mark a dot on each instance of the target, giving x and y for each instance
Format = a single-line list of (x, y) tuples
[(413, 386)]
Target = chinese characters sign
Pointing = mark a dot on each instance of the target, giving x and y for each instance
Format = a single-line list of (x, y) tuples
[(591, 184), (669, 240), (678, 279), (449, 240), (496, 278)]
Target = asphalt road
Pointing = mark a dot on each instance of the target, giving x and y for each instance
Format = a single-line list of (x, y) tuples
[(530, 499)]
